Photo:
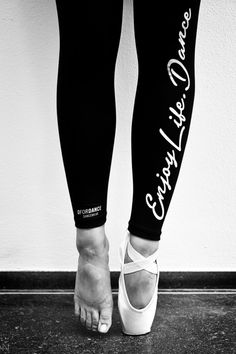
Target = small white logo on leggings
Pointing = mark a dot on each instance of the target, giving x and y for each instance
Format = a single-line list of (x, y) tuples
[(89, 212)]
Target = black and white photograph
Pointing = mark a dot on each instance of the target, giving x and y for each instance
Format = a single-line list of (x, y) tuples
[(118, 176)]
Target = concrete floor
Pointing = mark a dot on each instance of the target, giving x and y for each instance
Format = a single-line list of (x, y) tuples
[(184, 323)]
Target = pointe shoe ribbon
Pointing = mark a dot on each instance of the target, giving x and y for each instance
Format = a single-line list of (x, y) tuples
[(139, 261), (136, 321)]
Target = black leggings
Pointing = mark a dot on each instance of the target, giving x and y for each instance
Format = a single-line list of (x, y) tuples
[(165, 35)]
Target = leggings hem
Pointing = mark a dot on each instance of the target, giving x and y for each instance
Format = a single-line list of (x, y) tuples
[(87, 224), (136, 230)]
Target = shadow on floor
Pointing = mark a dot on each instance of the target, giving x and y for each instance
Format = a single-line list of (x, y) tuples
[(184, 323)]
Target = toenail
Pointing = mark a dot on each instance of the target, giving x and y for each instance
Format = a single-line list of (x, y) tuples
[(103, 328)]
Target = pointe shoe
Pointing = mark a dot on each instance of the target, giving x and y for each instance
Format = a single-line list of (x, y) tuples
[(136, 321)]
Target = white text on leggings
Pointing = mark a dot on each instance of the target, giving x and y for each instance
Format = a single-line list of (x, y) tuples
[(177, 73)]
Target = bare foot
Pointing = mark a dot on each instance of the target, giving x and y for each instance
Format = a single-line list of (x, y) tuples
[(140, 285), (93, 296)]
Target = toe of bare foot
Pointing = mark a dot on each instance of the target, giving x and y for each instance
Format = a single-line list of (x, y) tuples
[(92, 319), (105, 320)]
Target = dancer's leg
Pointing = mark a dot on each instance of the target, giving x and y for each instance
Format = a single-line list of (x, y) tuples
[(165, 39), (89, 39)]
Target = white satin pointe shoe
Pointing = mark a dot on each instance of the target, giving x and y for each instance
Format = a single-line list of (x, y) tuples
[(136, 321)]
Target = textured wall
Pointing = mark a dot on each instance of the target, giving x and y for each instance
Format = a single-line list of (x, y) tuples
[(36, 223)]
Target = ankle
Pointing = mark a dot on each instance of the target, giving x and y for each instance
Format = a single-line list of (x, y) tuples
[(144, 246), (92, 241)]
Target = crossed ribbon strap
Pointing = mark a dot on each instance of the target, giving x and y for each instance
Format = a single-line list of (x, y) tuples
[(140, 262)]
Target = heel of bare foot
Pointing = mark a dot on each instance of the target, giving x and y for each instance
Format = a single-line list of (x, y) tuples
[(93, 296)]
